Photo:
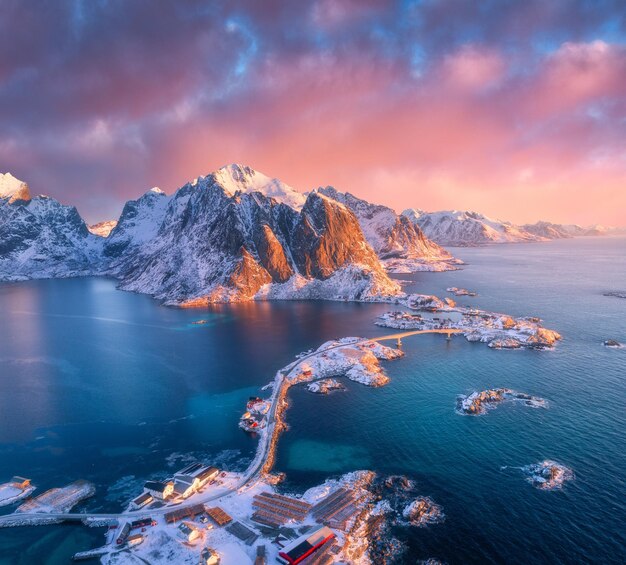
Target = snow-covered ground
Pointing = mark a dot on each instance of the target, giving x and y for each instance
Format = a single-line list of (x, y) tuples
[(59, 500), (351, 357), (406, 266), (12, 492)]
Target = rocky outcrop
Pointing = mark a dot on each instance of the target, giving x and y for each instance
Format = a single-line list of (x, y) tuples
[(399, 243), (423, 511)]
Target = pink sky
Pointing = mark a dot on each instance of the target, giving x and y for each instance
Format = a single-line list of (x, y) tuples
[(519, 113)]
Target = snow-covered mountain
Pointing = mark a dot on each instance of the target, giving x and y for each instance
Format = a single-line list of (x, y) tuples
[(103, 229), (462, 228), (399, 243), (138, 224), (240, 178), (13, 189), (549, 230), (218, 239), (41, 238)]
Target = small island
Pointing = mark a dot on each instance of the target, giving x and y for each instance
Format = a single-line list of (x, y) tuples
[(498, 331), (478, 403), (548, 475), (461, 291)]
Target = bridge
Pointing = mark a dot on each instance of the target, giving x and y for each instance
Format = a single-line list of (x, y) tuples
[(249, 477), (447, 331)]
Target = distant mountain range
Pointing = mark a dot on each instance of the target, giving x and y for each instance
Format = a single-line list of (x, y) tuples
[(464, 228), (237, 235)]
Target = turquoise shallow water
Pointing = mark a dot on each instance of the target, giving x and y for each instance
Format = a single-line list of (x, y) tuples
[(110, 386)]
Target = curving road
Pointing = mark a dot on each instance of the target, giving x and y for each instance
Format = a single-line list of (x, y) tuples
[(251, 474)]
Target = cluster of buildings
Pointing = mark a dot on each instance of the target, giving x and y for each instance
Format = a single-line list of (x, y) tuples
[(255, 416), (185, 482)]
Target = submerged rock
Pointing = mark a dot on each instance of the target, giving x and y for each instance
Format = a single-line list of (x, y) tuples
[(616, 294)]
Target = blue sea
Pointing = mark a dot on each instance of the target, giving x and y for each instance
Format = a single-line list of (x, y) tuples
[(110, 386)]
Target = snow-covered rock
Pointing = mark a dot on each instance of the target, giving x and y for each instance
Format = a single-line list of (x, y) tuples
[(398, 242), (423, 511), (463, 228), (138, 224), (102, 229), (352, 357), (478, 403), (13, 189)]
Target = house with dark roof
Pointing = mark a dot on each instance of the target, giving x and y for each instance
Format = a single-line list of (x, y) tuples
[(159, 489)]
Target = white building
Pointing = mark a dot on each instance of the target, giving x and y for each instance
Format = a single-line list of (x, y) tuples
[(159, 489), (188, 532)]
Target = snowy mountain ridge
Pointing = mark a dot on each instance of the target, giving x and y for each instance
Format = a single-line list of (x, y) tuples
[(400, 243)]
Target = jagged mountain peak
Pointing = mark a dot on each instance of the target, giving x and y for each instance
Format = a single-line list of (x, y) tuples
[(236, 178), (13, 188)]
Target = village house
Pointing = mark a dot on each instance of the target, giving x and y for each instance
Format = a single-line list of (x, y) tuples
[(188, 532), (159, 489), (142, 500)]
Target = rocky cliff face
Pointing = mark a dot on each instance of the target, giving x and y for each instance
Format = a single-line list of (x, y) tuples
[(400, 243), (211, 242), (41, 238)]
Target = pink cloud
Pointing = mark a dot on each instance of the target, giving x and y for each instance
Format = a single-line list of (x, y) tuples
[(473, 68), (328, 120)]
